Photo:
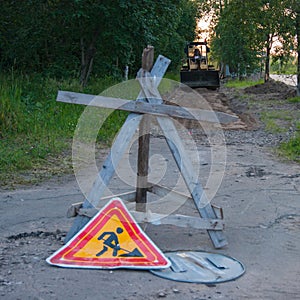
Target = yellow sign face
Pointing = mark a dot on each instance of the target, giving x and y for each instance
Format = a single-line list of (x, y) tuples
[(111, 239)]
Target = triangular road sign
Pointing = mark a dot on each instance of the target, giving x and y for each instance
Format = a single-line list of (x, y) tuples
[(112, 239)]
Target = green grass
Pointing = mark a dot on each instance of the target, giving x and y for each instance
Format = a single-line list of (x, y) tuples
[(291, 149), (280, 121), (294, 99), (240, 84), (271, 123), (277, 121), (35, 130)]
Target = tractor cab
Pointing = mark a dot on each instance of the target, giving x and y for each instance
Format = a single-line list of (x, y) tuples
[(197, 55), (196, 71)]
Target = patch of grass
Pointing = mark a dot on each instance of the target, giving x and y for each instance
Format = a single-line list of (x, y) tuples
[(272, 126), (280, 114), (280, 121), (240, 84), (277, 121), (294, 99), (291, 149), (11, 106), (35, 129)]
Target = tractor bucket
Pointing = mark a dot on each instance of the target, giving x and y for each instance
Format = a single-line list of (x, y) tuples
[(200, 78)]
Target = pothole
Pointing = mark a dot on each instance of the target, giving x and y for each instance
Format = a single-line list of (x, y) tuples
[(255, 171), (57, 235), (290, 222), (29, 247)]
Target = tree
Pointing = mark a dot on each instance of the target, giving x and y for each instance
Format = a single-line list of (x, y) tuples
[(291, 29), (243, 29), (272, 22), (297, 25), (293, 12), (25, 36), (235, 37), (74, 37)]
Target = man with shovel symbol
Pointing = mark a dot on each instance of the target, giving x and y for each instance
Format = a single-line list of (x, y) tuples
[(112, 242)]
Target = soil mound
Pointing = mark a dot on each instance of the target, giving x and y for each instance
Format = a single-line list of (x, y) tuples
[(274, 88)]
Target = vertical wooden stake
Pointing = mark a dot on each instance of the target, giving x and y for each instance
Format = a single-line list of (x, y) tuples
[(143, 164), (147, 58), (144, 142)]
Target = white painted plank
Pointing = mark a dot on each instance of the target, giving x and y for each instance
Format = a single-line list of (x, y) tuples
[(160, 219), (190, 177), (144, 107), (186, 167), (179, 221)]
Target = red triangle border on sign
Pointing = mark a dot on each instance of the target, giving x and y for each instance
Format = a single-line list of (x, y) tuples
[(154, 259)]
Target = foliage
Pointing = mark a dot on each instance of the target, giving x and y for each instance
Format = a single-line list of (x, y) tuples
[(73, 37), (244, 31), (234, 36), (283, 65), (46, 42)]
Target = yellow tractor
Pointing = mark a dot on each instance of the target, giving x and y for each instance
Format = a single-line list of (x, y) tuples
[(196, 70)]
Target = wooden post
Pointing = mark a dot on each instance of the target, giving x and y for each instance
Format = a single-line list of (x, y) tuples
[(143, 164), (144, 142), (147, 58)]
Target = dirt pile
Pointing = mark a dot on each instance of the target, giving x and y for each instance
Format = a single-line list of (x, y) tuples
[(203, 98), (273, 89)]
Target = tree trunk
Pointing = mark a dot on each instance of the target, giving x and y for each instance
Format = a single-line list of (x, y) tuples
[(298, 72), (86, 64), (298, 49), (223, 70), (87, 58), (267, 63)]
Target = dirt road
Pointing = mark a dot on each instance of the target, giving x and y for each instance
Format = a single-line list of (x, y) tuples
[(260, 196)]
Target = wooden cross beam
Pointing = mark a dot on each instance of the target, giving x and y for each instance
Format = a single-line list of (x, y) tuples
[(151, 107)]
